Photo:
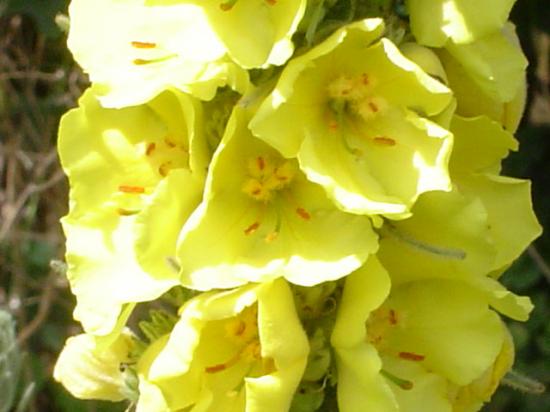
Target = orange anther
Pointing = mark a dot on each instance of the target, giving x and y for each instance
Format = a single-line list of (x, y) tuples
[(271, 237), (271, 2), (222, 366), (169, 143), (393, 317), (164, 169), (150, 149), (303, 213), (373, 107), (131, 189), (143, 45), (384, 141), (124, 212), (216, 368), (241, 328), (406, 385), (365, 78), (411, 356), (228, 5), (252, 228), (260, 161)]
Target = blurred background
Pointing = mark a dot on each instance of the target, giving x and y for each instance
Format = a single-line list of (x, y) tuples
[(39, 82)]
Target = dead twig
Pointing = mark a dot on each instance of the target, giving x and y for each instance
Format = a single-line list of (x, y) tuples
[(46, 300), (12, 211), (539, 261)]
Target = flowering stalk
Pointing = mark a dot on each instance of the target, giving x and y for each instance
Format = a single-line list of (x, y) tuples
[(306, 198)]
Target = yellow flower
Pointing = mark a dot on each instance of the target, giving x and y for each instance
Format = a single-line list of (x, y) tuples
[(262, 219), (142, 50), (470, 398), (234, 351), (90, 370), (340, 109), (434, 22), (488, 76), (255, 33), (126, 168), (408, 349)]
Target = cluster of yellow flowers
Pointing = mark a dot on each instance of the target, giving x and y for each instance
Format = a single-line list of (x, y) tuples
[(293, 205)]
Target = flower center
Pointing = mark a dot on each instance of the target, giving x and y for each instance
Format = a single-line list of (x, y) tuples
[(243, 328), (163, 156), (149, 53), (352, 102), (266, 177), (356, 95), (242, 331), (166, 155), (379, 325)]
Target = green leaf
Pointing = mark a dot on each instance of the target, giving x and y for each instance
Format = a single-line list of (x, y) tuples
[(41, 11), (10, 361)]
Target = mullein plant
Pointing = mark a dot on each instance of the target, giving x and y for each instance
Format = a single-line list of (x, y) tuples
[(293, 205)]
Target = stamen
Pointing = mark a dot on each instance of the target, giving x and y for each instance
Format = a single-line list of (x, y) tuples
[(384, 141), (365, 79), (266, 178), (173, 263), (228, 5), (393, 317), (260, 162), (402, 383), (271, 2), (252, 228), (411, 356), (268, 365), (223, 366), (375, 340), (131, 189), (331, 120), (339, 88), (141, 62), (169, 143), (164, 168), (373, 107), (143, 45), (251, 352), (125, 212), (215, 368), (303, 213), (240, 328), (150, 149)]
